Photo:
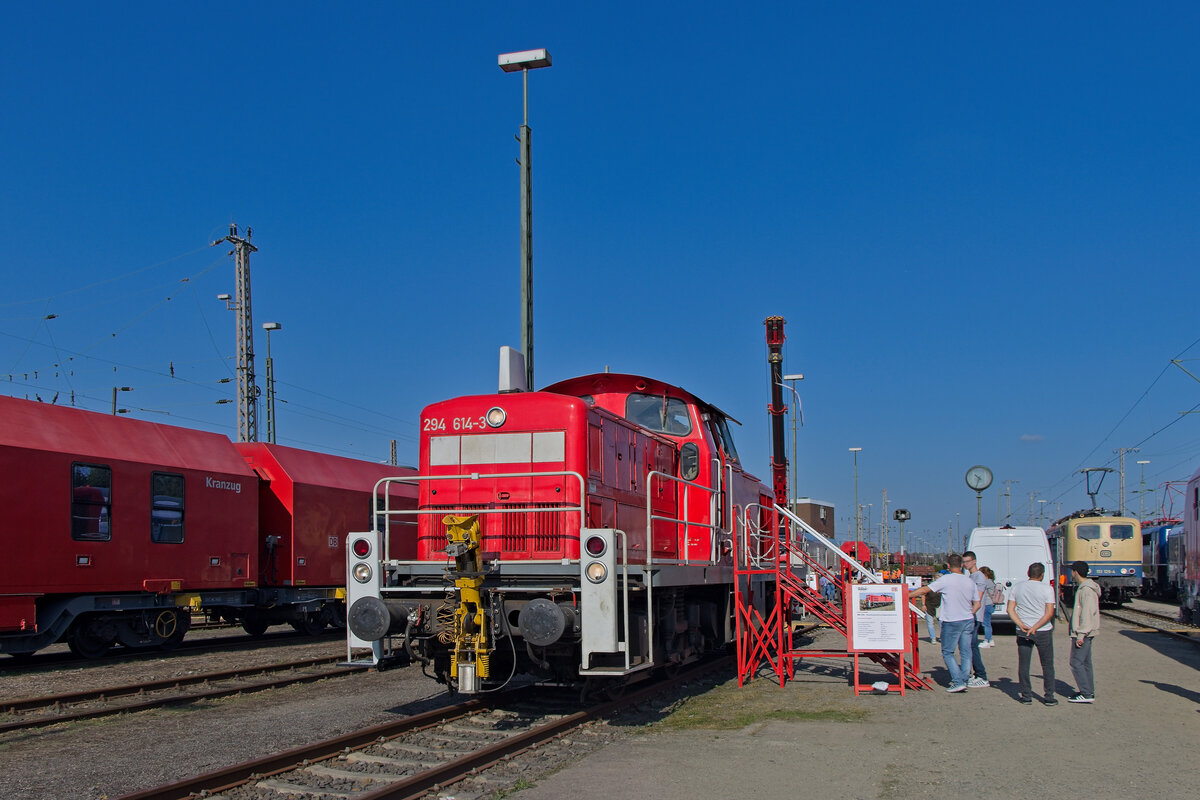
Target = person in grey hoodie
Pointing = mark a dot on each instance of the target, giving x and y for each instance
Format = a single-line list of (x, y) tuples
[(1085, 624)]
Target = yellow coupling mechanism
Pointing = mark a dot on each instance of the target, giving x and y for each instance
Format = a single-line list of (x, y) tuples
[(469, 659)]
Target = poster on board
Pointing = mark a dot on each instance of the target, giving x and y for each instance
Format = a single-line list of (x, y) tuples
[(876, 615)]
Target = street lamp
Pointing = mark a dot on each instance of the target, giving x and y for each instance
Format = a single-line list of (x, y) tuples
[(857, 507), (268, 327), (901, 515), (522, 62)]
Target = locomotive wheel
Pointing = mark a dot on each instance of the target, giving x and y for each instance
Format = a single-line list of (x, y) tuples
[(84, 644)]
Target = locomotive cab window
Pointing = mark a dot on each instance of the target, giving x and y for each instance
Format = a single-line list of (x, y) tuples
[(91, 502), (659, 413), (689, 461), (1120, 531), (166, 511), (718, 428), (1087, 532)]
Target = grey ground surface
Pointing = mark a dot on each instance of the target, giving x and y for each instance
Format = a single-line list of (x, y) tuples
[(1138, 740), (810, 738)]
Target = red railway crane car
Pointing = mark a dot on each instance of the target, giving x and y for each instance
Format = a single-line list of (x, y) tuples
[(108, 519), (117, 529), (308, 502)]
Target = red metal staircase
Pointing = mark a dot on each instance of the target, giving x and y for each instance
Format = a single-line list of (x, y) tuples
[(764, 633)]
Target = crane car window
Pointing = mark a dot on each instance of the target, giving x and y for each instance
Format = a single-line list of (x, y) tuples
[(166, 511), (1120, 531), (1087, 532), (91, 502), (659, 413)]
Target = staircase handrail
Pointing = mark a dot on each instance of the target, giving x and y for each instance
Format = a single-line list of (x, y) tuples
[(862, 570)]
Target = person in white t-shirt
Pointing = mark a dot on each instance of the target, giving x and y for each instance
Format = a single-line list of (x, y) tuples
[(1031, 608), (960, 601)]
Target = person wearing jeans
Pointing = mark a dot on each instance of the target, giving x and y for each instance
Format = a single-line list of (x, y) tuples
[(932, 605), (988, 608), (960, 601), (1085, 624), (978, 679), (1031, 608)]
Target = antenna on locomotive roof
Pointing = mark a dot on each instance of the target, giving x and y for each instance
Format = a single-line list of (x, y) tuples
[(512, 370)]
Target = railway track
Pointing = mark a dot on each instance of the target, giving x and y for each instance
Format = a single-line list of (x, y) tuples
[(241, 641), (1159, 622), (39, 712), (420, 754)]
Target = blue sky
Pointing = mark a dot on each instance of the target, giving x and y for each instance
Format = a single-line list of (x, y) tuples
[(978, 219)]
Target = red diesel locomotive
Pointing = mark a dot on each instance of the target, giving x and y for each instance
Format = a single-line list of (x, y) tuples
[(584, 530), (117, 529)]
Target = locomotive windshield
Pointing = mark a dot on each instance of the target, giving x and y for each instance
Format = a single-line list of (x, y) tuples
[(1121, 531), (659, 413), (1087, 532)]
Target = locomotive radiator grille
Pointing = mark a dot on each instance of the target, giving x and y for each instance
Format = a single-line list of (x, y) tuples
[(537, 531), (518, 530)]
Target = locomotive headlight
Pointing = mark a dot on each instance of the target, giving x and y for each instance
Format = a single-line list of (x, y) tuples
[(362, 572), (596, 572), (495, 417), (595, 546), (361, 548)]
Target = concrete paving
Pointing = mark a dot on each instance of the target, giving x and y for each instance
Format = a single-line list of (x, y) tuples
[(1137, 740)]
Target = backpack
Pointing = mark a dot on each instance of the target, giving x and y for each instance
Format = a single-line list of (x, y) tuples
[(997, 594)]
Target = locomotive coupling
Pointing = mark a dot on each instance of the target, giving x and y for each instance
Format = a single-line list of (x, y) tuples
[(469, 658)]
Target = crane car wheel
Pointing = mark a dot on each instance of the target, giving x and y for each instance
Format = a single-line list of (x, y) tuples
[(84, 643), (309, 624), (171, 626), (255, 626)]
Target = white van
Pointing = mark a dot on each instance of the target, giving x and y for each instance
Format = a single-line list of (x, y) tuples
[(1009, 551)]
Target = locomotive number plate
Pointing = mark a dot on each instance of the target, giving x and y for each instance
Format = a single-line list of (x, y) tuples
[(457, 424)]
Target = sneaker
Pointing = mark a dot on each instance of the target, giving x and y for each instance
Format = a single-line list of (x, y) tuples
[(1081, 698), (1050, 701), (1026, 700), (978, 683), (933, 640), (957, 687), (987, 644)]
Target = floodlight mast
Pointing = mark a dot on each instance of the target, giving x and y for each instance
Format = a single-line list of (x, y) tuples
[(522, 62), (247, 389)]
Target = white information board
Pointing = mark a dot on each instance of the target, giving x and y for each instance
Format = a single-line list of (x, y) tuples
[(876, 615)]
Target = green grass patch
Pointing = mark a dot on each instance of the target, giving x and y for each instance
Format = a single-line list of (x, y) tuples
[(728, 707), (521, 783)]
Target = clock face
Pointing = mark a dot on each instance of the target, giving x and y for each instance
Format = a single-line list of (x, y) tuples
[(979, 478)]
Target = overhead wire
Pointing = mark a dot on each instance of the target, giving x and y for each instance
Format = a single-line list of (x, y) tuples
[(1074, 473)]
